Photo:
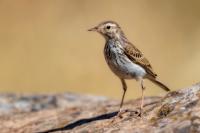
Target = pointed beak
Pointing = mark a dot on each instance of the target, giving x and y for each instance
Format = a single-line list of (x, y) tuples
[(93, 29)]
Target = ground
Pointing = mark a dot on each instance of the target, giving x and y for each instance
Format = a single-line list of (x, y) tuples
[(178, 111)]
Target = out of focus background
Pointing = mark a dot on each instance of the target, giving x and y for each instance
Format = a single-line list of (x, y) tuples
[(45, 45)]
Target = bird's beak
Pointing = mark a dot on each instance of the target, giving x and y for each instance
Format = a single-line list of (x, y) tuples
[(93, 29)]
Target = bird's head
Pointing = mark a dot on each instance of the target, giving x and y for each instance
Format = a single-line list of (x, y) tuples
[(109, 29)]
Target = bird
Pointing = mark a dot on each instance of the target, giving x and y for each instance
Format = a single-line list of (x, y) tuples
[(125, 60)]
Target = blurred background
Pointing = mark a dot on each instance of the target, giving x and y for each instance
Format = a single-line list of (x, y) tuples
[(45, 45)]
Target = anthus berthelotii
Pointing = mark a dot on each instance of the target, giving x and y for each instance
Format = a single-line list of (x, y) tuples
[(124, 59)]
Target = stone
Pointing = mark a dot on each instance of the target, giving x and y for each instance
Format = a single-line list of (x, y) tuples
[(176, 112)]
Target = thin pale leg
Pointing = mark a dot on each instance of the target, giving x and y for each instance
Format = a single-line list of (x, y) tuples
[(124, 86), (142, 97)]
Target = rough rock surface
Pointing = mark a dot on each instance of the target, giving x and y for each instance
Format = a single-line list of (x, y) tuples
[(178, 112)]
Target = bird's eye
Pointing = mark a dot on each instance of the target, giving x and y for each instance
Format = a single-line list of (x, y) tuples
[(108, 27)]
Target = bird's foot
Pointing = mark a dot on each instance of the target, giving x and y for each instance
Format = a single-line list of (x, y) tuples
[(126, 114), (119, 115), (141, 112)]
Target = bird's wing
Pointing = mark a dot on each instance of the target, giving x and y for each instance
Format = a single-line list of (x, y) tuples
[(137, 57)]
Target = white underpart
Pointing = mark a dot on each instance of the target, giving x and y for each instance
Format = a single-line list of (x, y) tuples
[(121, 65)]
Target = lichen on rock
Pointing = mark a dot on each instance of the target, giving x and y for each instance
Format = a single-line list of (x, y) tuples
[(178, 111)]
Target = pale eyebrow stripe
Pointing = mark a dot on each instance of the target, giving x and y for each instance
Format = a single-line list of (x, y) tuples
[(111, 24)]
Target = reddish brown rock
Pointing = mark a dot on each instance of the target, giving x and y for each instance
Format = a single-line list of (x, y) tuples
[(177, 112)]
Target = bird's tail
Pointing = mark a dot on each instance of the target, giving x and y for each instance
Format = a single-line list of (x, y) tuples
[(159, 84)]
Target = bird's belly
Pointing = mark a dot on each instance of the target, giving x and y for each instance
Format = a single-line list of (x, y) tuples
[(124, 68)]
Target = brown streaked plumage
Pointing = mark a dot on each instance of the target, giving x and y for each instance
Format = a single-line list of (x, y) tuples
[(137, 57), (124, 59)]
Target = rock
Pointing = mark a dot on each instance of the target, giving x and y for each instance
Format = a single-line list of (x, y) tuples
[(19, 103), (178, 112)]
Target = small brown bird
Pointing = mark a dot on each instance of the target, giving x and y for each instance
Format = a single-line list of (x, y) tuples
[(124, 59)]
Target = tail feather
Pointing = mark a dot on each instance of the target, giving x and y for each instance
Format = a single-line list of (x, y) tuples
[(159, 84)]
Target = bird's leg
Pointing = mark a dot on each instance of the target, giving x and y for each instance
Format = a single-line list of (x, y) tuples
[(124, 86), (142, 97)]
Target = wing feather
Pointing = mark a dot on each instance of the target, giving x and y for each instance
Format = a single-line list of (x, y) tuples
[(137, 57)]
